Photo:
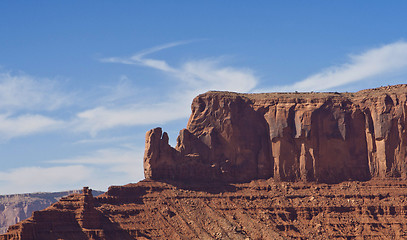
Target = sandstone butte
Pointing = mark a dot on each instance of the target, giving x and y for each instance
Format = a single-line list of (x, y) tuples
[(257, 166)]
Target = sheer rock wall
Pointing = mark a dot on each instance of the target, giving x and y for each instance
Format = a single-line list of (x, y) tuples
[(323, 137)]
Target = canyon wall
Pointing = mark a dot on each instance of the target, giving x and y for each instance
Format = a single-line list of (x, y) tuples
[(323, 137)]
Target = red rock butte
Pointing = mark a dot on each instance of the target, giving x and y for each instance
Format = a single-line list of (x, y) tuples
[(322, 137), (256, 166)]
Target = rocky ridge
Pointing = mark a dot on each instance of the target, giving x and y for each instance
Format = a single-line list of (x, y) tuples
[(256, 166)]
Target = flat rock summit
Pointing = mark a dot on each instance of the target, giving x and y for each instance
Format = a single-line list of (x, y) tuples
[(256, 166)]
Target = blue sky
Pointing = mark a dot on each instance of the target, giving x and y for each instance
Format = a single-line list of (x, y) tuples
[(81, 82)]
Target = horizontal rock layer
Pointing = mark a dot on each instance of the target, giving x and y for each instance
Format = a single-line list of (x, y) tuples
[(323, 137), (261, 209), (18, 207)]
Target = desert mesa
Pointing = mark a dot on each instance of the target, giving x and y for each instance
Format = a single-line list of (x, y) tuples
[(322, 137), (256, 166)]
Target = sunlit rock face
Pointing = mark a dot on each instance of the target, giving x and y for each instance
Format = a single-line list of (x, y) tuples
[(323, 137)]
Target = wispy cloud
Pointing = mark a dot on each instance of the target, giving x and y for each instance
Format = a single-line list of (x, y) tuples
[(200, 74), (98, 169), (209, 74), (110, 140), (109, 166), (11, 127), (123, 92), (139, 58), (143, 53), (36, 179), (191, 78), (102, 118), (108, 156), (23, 92), (22, 98), (375, 62)]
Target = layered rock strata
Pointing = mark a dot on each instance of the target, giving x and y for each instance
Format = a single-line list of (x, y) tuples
[(18, 207), (72, 217), (323, 137), (261, 209)]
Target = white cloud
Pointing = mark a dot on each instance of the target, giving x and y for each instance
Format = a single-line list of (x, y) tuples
[(35, 179), (175, 106), (11, 127), (102, 118), (199, 75), (23, 92), (208, 74), (21, 96), (123, 91), (107, 156), (110, 140), (98, 170), (110, 166), (192, 78), (372, 63), (159, 48)]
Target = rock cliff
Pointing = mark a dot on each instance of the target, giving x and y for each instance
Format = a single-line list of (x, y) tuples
[(323, 137)]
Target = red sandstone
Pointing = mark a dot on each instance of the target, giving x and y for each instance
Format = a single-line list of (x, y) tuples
[(323, 137)]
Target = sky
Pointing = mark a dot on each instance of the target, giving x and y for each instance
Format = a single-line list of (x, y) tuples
[(81, 82)]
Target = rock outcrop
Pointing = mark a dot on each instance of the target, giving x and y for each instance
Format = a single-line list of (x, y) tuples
[(323, 137), (17, 207), (72, 217), (261, 209)]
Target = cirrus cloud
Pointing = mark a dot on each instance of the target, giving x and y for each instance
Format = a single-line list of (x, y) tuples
[(22, 125), (36, 179), (23, 92), (192, 78), (374, 62)]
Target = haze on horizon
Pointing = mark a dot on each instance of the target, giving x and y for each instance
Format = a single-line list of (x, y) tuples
[(80, 84)]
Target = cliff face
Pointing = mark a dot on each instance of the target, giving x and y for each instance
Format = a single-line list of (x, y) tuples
[(324, 137)]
